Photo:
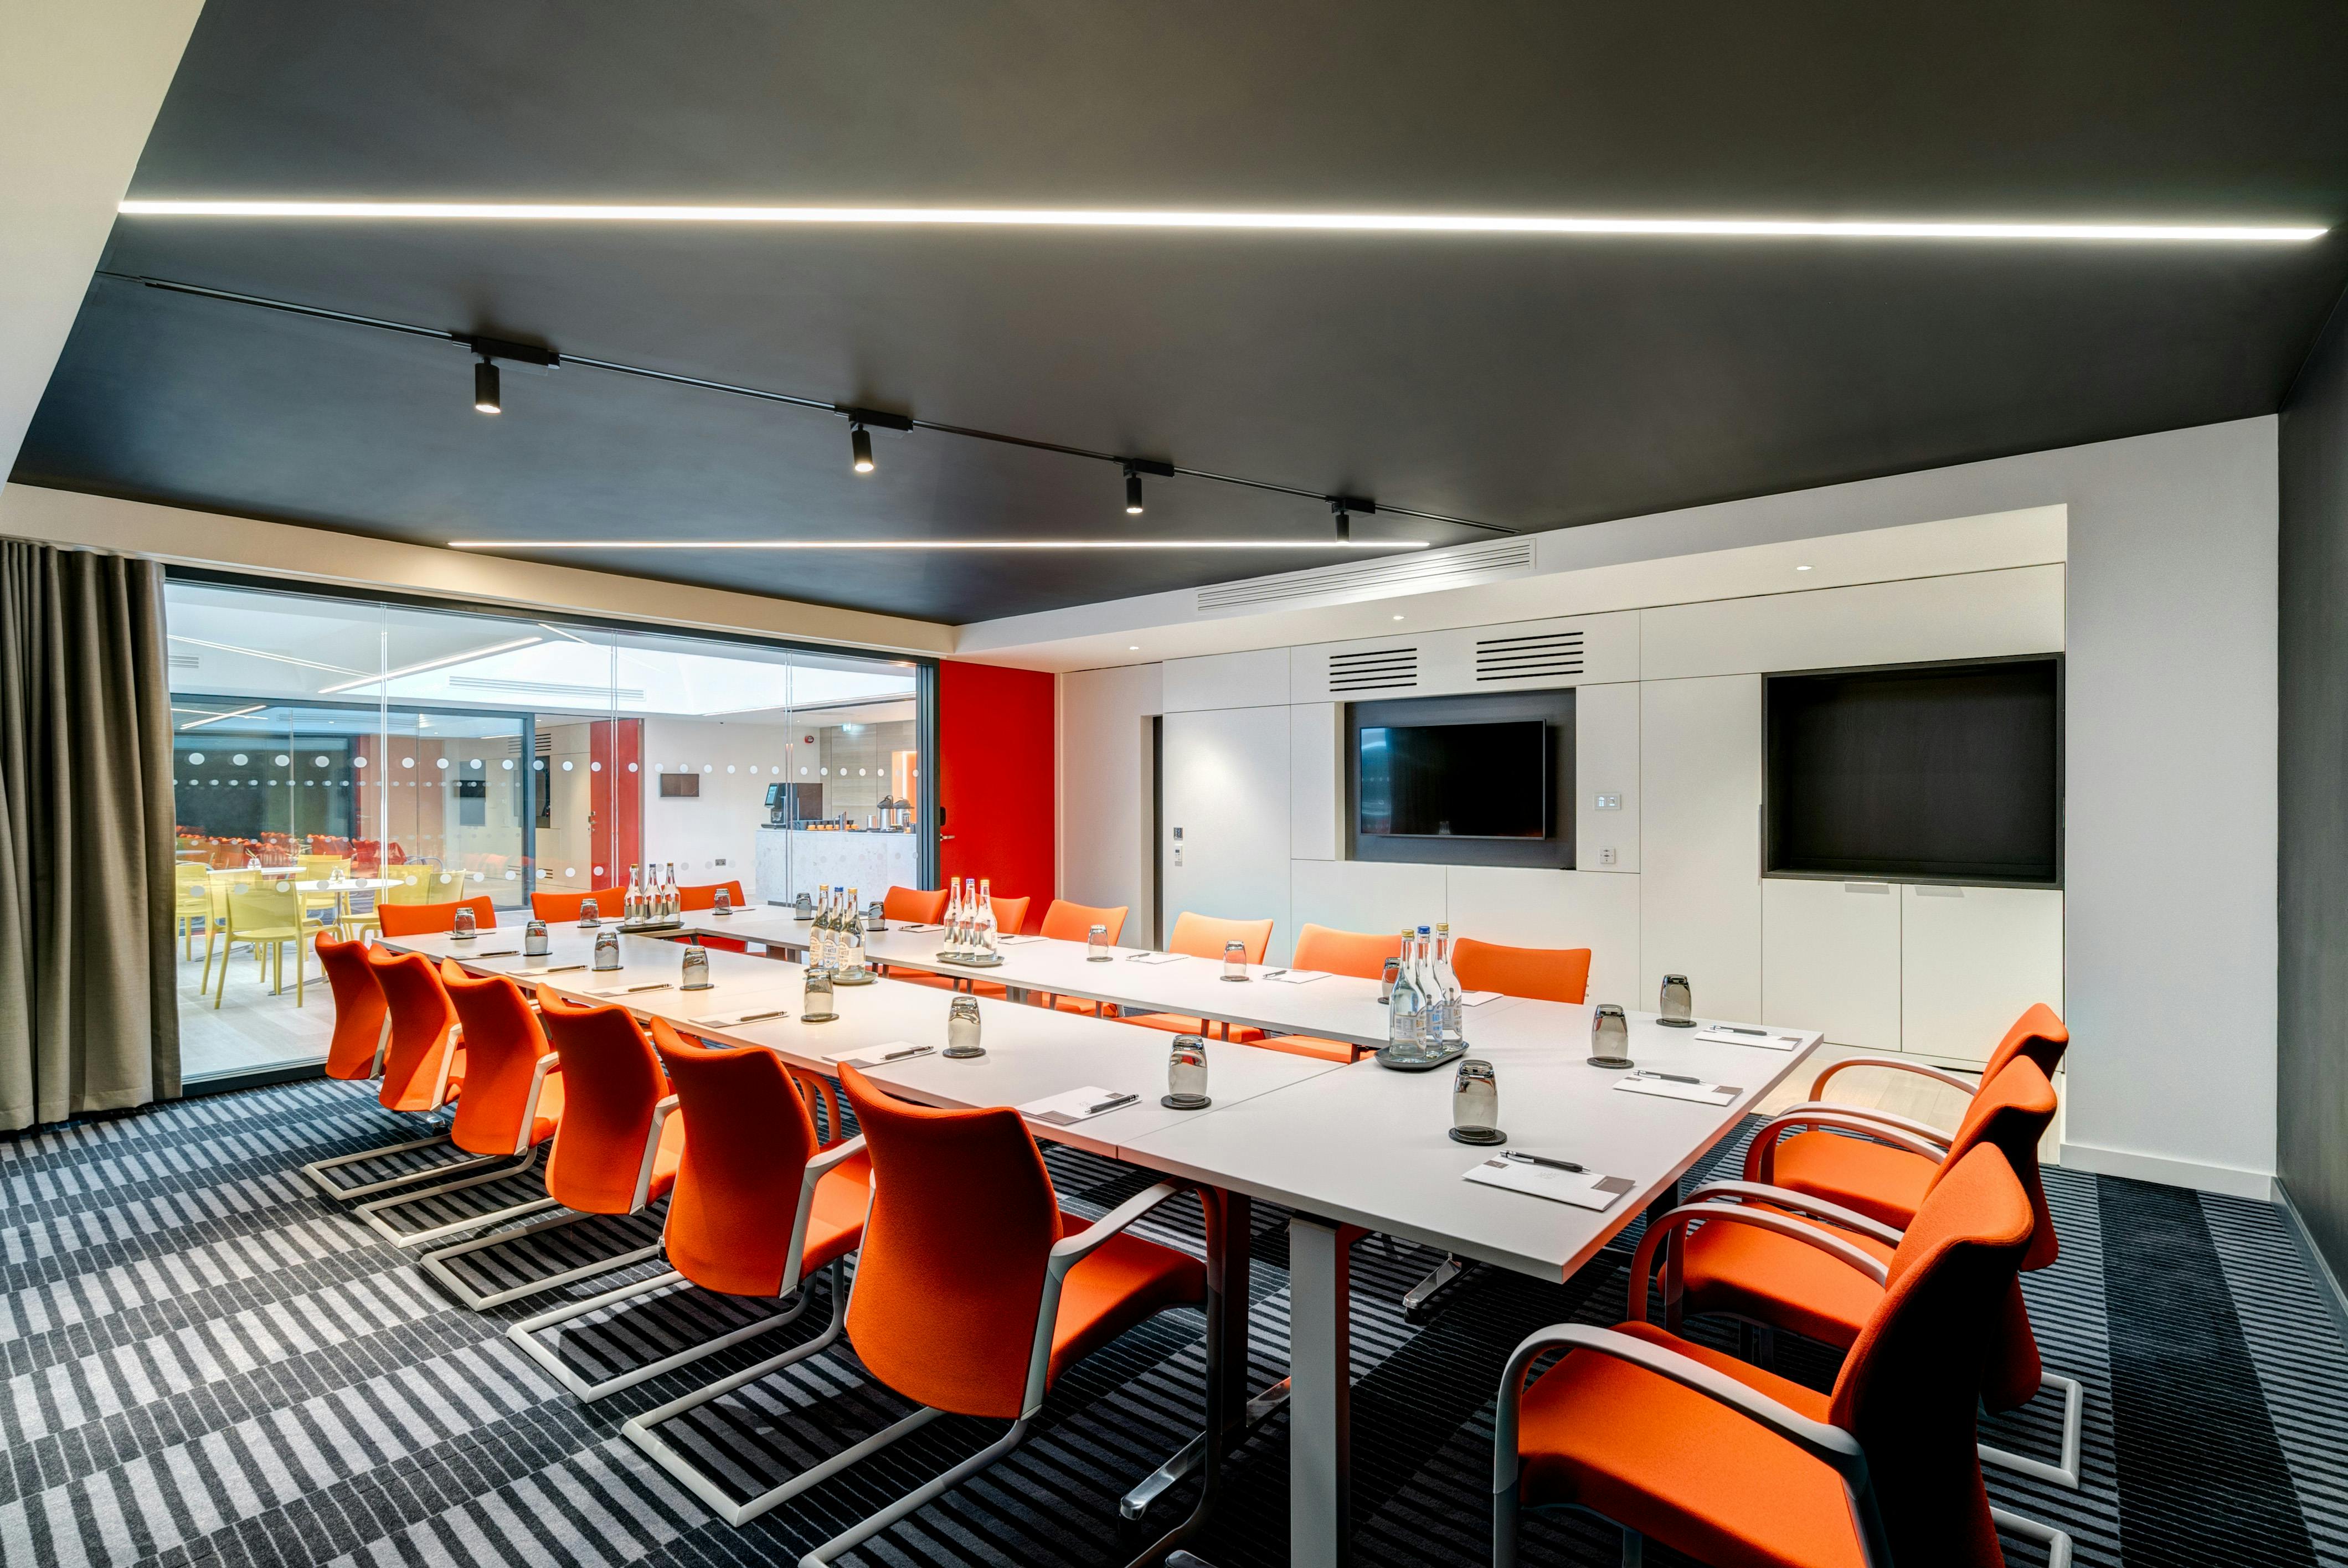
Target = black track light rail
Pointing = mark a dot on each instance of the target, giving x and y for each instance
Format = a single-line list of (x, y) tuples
[(537, 355)]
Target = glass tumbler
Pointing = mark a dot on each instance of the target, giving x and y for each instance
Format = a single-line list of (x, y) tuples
[(815, 1004), (1097, 944), (1387, 980), (803, 908), (876, 919), (534, 939), (962, 1029), (607, 949), (724, 903), (1235, 961), (464, 927), (1186, 1075), (1610, 1037), (1476, 1104), (1676, 1004), (588, 918)]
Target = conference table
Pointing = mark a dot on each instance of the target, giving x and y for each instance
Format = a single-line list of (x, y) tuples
[(1346, 1148)]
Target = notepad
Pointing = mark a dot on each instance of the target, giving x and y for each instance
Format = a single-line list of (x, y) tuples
[(1583, 1189), (631, 990), (917, 928), (1012, 941), (1701, 1093), (1296, 977), (871, 1056), (1477, 998), (1078, 1105), (735, 1019), (1742, 1034), (1153, 957)]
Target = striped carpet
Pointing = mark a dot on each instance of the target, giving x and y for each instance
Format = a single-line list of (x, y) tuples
[(207, 1364)]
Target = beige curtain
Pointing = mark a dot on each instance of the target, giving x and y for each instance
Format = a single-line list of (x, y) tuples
[(89, 1019)]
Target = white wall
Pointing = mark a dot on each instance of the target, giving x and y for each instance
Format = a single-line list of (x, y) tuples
[(1105, 849), (2169, 607), (712, 838)]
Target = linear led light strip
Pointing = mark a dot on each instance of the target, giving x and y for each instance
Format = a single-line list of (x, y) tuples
[(935, 545), (429, 664), (216, 718), (1311, 222)]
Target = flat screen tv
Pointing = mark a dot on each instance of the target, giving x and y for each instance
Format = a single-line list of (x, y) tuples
[(1453, 781), (1933, 773)]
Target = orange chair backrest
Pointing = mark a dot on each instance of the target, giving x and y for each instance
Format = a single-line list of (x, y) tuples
[(425, 919), (748, 1138), (952, 1272), (358, 1008), (2038, 1034), (1538, 974), (704, 897), (422, 1030), (1361, 954), (555, 906), (912, 906), (2012, 1112), (611, 1083), (1910, 1387), (1011, 915), (1067, 922), (503, 1045), (1203, 936)]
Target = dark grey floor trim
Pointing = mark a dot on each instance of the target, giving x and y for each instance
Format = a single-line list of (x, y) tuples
[(251, 1078), (2319, 1267)]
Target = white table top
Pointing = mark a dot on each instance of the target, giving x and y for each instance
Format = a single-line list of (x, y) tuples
[(1359, 1144)]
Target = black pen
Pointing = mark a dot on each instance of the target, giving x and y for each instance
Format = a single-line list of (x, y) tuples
[(1111, 1104), (754, 1017), (1672, 1077), (557, 970), (909, 1050), (500, 953), (1545, 1159)]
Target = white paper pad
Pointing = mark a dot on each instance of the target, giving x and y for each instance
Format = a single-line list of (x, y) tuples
[(1583, 1190), (1736, 1034), (917, 928), (631, 990), (1008, 941), (1076, 1105), (735, 1019), (871, 1056), (1154, 957), (1702, 1093), (1477, 998), (1297, 976)]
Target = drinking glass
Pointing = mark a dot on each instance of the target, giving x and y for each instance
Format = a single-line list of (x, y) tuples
[(1678, 1003), (803, 908), (1610, 1037), (876, 919), (1476, 1104), (963, 1028), (1186, 1075), (1235, 961), (815, 1005), (725, 904), (534, 939), (607, 948), (1097, 944), (588, 918), (464, 929), (1386, 979), (694, 976)]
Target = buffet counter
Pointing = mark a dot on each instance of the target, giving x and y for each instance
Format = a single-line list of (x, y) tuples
[(795, 860)]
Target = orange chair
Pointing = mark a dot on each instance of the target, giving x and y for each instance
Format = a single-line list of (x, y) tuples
[(555, 907), (427, 920), (704, 895), (1066, 922), (1537, 974), (761, 1204), (973, 1290), (615, 1151), (423, 1069), (511, 1107), (1203, 937), (360, 1021), (1780, 1283), (1360, 954), (912, 906), (1730, 1464)]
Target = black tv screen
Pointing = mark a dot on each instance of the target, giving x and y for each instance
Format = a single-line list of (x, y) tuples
[(1947, 772), (1453, 781)]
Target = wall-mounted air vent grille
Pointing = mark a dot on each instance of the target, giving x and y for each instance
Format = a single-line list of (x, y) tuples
[(1378, 670), (1532, 656), (1459, 567), (186, 661)]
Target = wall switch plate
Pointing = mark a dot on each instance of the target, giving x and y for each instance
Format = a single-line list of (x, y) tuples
[(1606, 856), (1178, 855), (1610, 803)]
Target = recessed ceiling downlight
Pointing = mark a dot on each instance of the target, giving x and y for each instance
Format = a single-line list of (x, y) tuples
[(937, 544)]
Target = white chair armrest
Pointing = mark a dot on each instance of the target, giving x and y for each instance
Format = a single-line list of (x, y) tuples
[(546, 1066), (1761, 1154), (1801, 1202), (1065, 1255), (1907, 1125), (1964, 1086), (661, 1114), (1643, 1261), (818, 1168)]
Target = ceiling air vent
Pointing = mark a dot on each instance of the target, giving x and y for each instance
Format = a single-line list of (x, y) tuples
[(1533, 656), (1420, 572), (1379, 669), (186, 661)]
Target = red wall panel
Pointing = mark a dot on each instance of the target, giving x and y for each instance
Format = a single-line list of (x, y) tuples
[(996, 777)]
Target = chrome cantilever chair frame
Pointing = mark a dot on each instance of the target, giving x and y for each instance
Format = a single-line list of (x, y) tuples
[(316, 1169), (523, 1150)]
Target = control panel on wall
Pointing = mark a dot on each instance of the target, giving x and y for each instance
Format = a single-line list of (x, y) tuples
[(1178, 846), (1607, 854)]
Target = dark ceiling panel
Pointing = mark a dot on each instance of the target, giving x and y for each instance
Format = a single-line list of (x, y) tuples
[(1528, 383)]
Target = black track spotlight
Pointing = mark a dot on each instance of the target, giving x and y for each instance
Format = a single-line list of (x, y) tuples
[(1135, 467), (1342, 509), (860, 444), (1132, 492), (485, 387), (1345, 521)]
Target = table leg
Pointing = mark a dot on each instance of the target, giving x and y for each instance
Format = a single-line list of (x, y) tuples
[(1320, 1414)]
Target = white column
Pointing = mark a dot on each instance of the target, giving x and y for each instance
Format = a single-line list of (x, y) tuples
[(1320, 1401)]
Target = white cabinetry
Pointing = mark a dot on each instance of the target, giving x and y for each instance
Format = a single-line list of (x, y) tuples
[(1972, 960), (1700, 840), (1226, 790), (1831, 960)]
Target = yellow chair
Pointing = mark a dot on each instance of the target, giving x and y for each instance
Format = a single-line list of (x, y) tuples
[(335, 906), (271, 913), (191, 902), (217, 885)]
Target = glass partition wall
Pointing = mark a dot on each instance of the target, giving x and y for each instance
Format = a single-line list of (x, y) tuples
[(421, 754)]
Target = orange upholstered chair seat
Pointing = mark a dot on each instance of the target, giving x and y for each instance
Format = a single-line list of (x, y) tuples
[(1538, 974), (1659, 1459), (1881, 1183), (1775, 1279), (558, 907), (1175, 1023), (914, 905), (1311, 1045), (1125, 1282)]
